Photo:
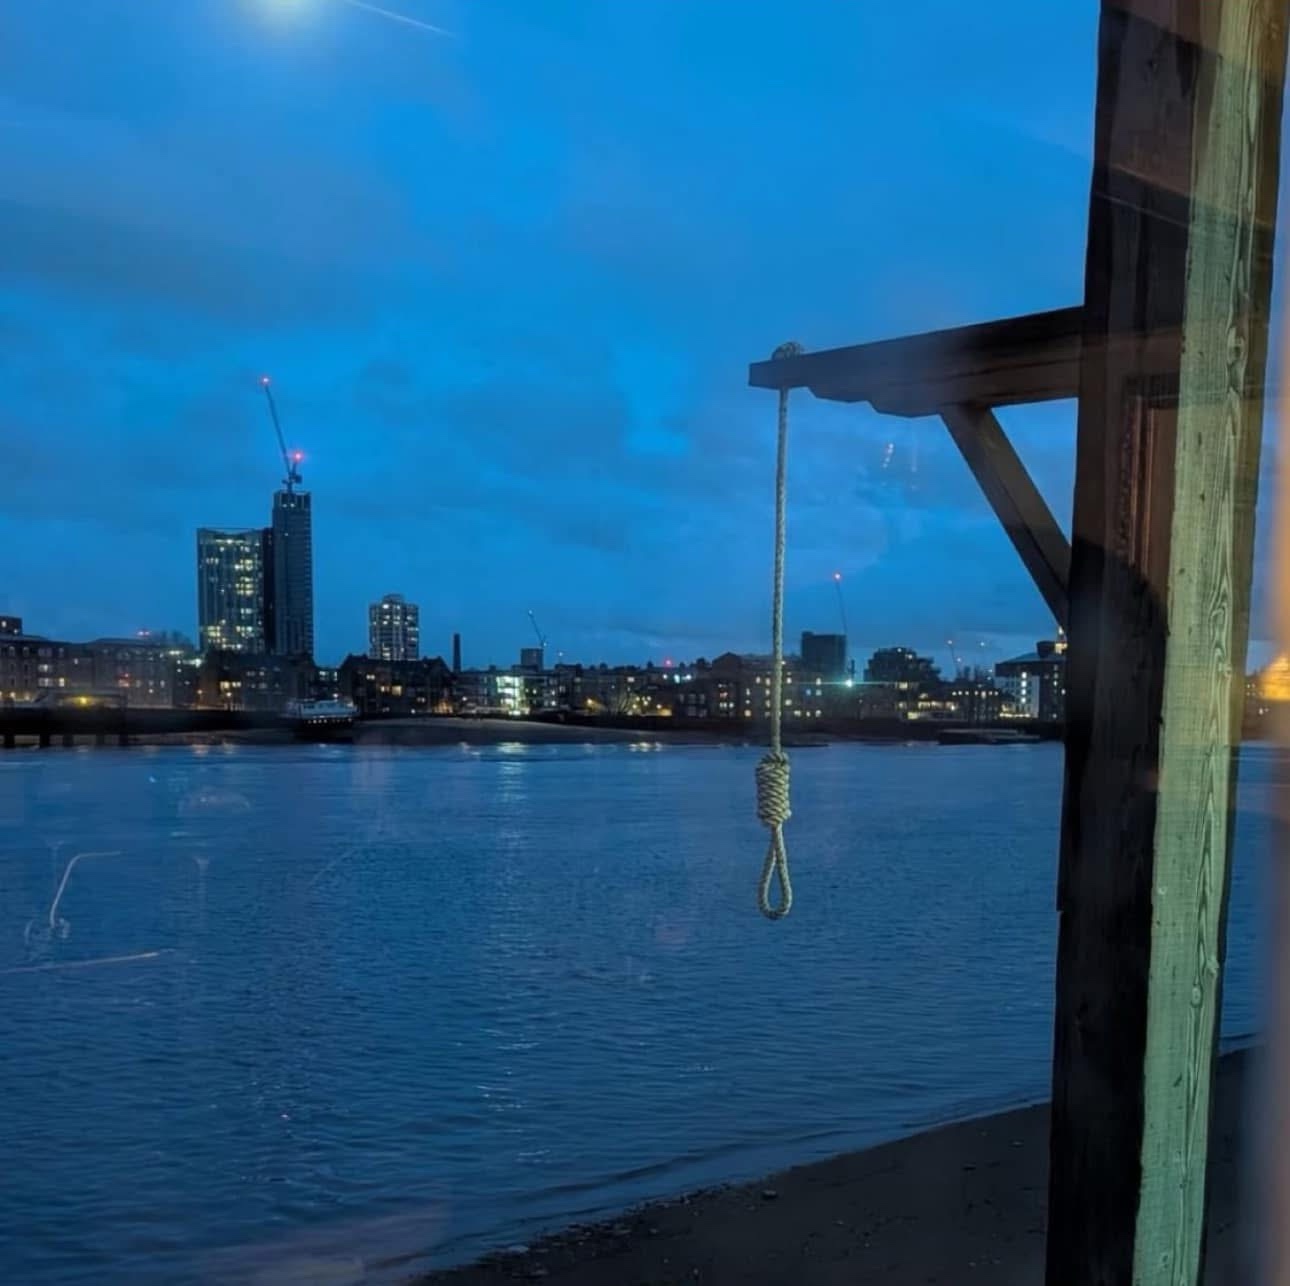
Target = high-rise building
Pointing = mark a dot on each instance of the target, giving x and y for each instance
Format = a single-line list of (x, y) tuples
[(290, 578), (230, 590), (394, 629), (825, 656)]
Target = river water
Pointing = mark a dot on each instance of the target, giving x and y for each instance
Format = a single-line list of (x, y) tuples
[(339, 1014)]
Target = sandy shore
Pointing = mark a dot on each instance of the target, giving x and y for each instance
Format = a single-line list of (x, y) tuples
[(964, 1203)]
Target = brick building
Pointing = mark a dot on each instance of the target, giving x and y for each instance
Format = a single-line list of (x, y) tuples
[(230, 680), (396, 688)]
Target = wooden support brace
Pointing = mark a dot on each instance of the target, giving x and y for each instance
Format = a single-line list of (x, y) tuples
[(1016, 501)]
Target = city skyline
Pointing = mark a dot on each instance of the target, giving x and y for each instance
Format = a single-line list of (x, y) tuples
[(508, 289), (165, 672)]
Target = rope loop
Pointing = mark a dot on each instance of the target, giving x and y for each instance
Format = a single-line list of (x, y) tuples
[(775, 866)]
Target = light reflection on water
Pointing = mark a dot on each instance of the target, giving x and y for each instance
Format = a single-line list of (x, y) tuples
[(333, 1008)]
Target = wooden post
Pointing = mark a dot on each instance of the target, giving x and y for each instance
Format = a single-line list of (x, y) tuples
[(1177, 286), (1273, 1108)]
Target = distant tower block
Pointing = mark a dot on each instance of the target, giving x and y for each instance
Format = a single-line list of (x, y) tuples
[(394, 629)]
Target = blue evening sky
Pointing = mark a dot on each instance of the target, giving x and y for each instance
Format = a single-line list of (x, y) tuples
[(508, 277)]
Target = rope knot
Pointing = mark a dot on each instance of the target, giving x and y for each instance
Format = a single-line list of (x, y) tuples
[(772, 789)]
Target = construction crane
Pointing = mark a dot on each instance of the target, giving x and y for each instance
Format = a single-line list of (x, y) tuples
[(955, 659), (848, 666), (290, 459), (842, 603), (541, 647)]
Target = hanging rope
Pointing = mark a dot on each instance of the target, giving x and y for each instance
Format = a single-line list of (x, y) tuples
[(772, 771)]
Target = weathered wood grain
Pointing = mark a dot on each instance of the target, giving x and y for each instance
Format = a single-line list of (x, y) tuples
[(1166, 460), (1225, 325)]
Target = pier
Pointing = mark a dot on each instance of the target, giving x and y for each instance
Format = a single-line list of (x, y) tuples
[(28, 727)]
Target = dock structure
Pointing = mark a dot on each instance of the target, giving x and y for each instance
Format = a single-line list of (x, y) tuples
[(1167, 358), (43, 727)]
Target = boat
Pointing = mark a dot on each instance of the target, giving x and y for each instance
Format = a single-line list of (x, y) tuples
[(322, 720), (985, 737)]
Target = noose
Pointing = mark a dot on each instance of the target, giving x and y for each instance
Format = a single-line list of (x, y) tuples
[(772, 771)]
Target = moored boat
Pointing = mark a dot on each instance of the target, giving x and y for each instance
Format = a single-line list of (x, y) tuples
[(985, 737), (322, 720)]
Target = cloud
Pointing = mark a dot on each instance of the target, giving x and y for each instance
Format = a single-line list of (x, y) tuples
[(220, 226), (87, 256), (152, 452), (509, 286)]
